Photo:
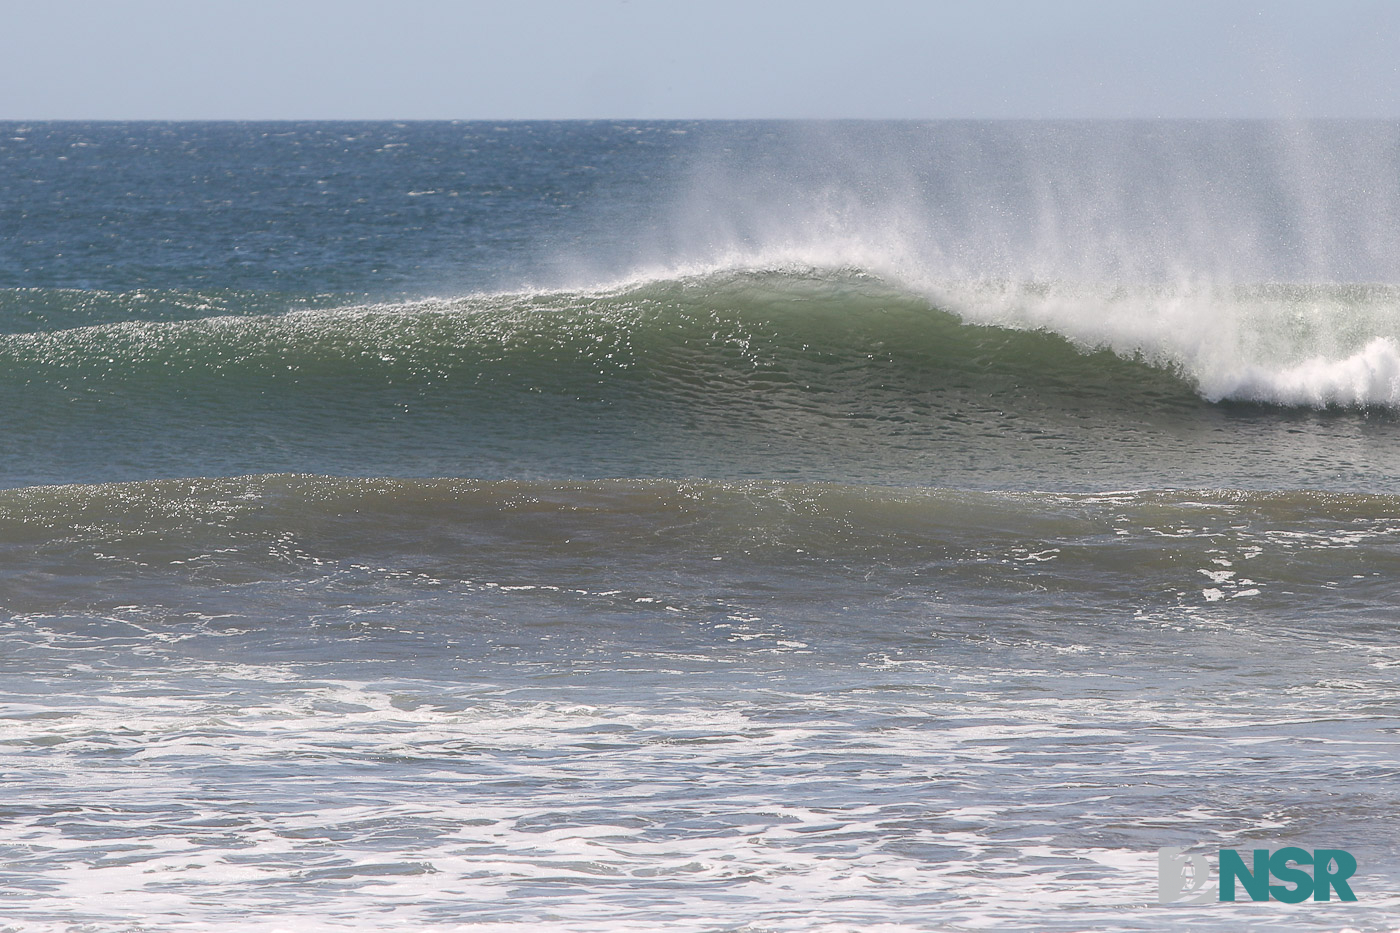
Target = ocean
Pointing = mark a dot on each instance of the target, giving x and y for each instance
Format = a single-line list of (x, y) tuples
[(700, 526)]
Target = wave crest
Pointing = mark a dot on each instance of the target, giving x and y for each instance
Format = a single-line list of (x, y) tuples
[(813, 330)]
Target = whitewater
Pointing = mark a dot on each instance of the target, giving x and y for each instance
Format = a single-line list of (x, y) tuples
[(717, 526)]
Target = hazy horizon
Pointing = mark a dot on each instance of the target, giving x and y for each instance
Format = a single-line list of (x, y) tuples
[(552, 60)]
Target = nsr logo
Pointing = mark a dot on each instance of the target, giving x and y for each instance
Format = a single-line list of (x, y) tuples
[(1186, 878)]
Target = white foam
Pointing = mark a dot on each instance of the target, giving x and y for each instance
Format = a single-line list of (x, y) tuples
[(1370, 376), (331, 804)]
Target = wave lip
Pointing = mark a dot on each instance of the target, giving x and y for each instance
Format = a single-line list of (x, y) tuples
[(1370, 376)]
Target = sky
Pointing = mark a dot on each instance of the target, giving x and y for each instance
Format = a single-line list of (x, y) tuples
[(697, 59)]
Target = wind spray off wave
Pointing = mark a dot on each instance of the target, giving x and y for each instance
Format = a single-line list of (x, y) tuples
[(1257, 260)]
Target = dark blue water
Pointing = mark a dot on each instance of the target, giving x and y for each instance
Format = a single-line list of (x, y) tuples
[(379, 210)]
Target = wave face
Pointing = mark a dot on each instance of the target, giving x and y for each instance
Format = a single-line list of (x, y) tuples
[(804, 373)]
